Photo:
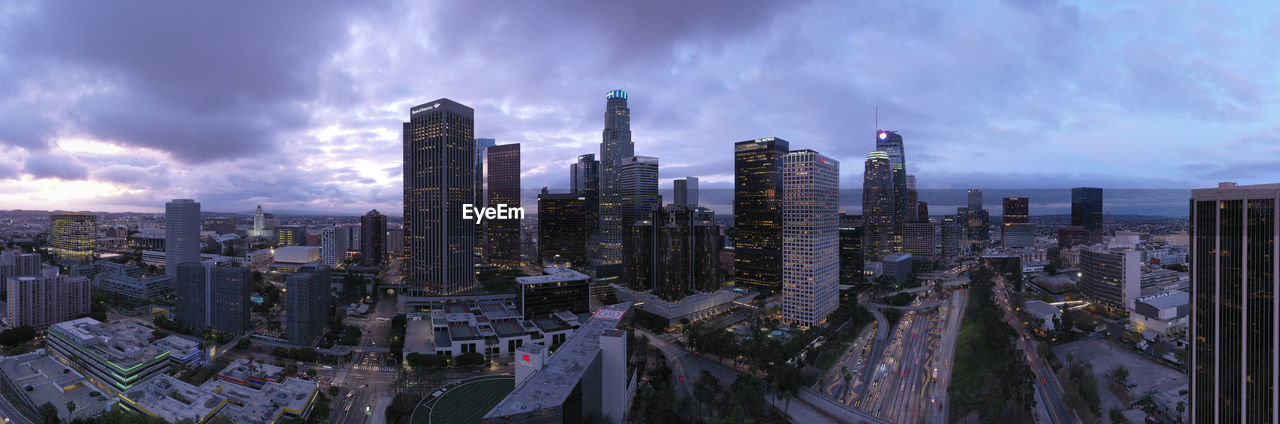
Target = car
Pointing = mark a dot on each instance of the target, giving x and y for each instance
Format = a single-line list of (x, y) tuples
[(363, 386), (1042, 382), (298, 363)]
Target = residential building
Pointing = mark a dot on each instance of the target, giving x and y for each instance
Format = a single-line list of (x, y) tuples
[(373, 238), (307, 304), (1110, 278), (39, 301), (14, 263), (810, 237), (439, 177)]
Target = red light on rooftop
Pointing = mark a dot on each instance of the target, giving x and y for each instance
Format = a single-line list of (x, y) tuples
[(526, 357)]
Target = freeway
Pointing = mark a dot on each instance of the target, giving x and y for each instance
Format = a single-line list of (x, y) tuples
[(901, 389), (10, 413)]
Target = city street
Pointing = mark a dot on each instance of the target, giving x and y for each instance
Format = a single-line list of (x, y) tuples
[(1046, 380)]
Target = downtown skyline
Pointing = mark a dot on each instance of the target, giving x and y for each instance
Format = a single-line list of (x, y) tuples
[(129, 119)]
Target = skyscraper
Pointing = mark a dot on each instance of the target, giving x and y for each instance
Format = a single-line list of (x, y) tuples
[(181, 234), (373, 238), (502, 187), (891, 143), (810, 237), (757, 213), (1086, 211), (639, 186), (229, 309), (72, 235), (482, 146), (676, 252), (913, 201), (950, 246), (45, 299), (291, 235), (334, 243), (1110, 278), (975, 199), (922, 211), (1234, 360), (878, 214), (615, 147), (585, 179), (686, 192), (1015, 210), (562, 227), (190, 282), (851, 255), (439, 177), (307, 303), (917, 239)]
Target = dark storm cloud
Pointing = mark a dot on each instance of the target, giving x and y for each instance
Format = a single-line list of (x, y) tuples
[(56, 166)]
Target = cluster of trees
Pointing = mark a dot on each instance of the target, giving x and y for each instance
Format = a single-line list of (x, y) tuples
[(990, 377), (1081, 391), (395, 341), (304, 354), (17, 335), (401, 408), (118, 415), (649, 321), (198, 375)]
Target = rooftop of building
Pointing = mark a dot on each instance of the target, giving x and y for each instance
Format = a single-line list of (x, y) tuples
[(439, 328), (173, 400), (1166, 300), (244, 371), (124, 344), (265, 404), (1040, 308), (552, 384), (50, 381), (896, 257), (553, 275)]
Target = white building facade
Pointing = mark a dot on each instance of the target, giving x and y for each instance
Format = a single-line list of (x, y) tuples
[(810, 237)]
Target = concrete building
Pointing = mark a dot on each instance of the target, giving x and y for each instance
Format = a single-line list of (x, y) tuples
[(128, 282), (1017, 234), (35, 379), (118, 356), (1042, 311), (45, 299), (949, 247), (306, 304), (693, 307), (334, 244), (1110, 278), (221, 225), (14, 263), (1164, 313), (494, 329), (918, 240), (291, 235), (810, 237), (558, 289), (215, 297), (898, 266), (181, 233), (72, 236), (588, 375), (439, 177)]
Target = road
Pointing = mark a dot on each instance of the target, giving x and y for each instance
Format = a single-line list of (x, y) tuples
[(10, 414), (852, 360), (1046, 380)]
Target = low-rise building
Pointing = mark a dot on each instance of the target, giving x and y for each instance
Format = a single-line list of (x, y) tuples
[(491, 328), (271, 402), (693, 307), (36, 378), (1042, 311), (116, 356), (898, 266), (1165, 313)]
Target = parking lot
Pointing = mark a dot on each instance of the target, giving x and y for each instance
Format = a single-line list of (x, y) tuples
[(1148, 376)]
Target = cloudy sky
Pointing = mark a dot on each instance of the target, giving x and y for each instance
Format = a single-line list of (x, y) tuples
[(297, 106)]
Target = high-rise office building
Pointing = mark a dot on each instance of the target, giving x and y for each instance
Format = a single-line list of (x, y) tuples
[(307, 304), (878, 214), (1017, 234), (913, 201), (502, 187), (191, 282), (334, 243), (757, 213), (562, 235), (890, 143), (950, 245), (181, 234), (639, 186), (1086, 211), (615, 147), (810, 237), (1234, 360), (686, 192), (47, 298), (291, 235), (1110, 278), (482, 146), (395, 241), (1072, 235), (1015, 209), (584, 177), (975, 199), (221, 225), (73, 235), (373, 238), (851, 255), (439, 177), (976, 224), (917, 239), (922, 211)]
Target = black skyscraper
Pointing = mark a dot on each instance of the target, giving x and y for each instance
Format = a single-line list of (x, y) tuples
[(584, 177), (502, 187), (1086, 211), (373, 238), (562, 226), (851, 255), (439, 177), (757, 213), (879, 216), (1016, 210), (1234, 360)]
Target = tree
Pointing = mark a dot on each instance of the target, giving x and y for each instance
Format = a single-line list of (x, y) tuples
[(244, 343), (1117, 417), (307, 354), (48, 413), (399, 322), (1182, 407), (71, 407), (334, 390), (17, 335), (1121, 374), (311, 372), (471, 359)]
